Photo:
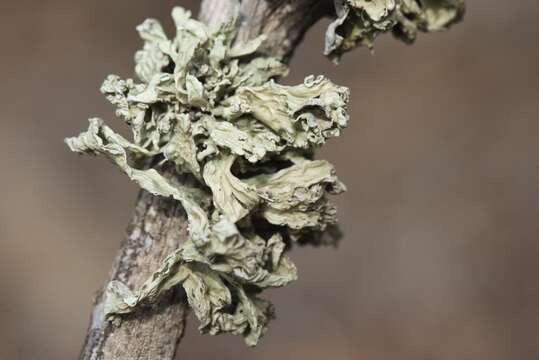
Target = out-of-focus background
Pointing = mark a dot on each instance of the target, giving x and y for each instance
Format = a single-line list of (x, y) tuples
[(440, 259)]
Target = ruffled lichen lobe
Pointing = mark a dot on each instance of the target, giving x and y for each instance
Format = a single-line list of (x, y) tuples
[(359, 22), (210, 109)]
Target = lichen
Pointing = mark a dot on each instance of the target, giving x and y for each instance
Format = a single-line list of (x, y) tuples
[(359, 22), (210, 109)]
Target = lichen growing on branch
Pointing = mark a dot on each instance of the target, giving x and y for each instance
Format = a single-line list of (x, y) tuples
[(241, 147), (359, 22)]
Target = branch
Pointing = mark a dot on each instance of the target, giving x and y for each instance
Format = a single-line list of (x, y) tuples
[(158, 225)]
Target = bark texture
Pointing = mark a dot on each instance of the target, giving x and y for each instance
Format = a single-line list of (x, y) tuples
[(157, 227), (159, 224)]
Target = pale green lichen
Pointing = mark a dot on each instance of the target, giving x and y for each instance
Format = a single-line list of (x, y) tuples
[(359, 22), (210, 109)]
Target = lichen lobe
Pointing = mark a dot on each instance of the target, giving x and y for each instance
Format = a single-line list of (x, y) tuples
[(210, 109), (360, 22)]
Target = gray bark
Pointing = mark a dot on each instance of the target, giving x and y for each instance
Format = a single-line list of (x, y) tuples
[(158, 224)]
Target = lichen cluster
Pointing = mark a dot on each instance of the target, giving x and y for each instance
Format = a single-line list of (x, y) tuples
[(359, 22), (209, 109)]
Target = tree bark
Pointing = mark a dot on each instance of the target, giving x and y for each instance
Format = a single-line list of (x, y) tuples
[(159, 224)]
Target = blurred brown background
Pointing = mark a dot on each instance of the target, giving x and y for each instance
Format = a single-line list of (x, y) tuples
[(441, 217)]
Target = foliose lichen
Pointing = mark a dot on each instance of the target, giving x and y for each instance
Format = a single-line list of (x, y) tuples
[(359, 22), (210, 109)]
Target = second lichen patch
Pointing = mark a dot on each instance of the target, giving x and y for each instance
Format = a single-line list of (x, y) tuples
[(359, 22)]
